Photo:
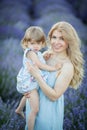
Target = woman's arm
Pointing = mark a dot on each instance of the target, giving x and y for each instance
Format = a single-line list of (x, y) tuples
[(61, 84), (40, 65)]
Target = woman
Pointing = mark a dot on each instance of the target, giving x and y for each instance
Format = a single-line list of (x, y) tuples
[(64, 49)]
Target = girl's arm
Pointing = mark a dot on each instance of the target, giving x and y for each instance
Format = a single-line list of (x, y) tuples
[(61, 84), (32, 55)]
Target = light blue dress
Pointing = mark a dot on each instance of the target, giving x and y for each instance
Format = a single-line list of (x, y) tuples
[(25, 81), (51, 113)]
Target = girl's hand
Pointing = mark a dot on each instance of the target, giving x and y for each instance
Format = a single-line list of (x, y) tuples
[(58, 66), (46, 55)]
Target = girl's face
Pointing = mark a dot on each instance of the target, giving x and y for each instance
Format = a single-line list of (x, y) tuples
[(57, 42), (36, 46)]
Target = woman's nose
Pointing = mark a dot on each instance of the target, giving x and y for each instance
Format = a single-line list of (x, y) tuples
[(57, 41)]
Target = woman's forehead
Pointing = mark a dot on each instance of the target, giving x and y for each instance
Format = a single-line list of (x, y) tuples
[(57, 33)]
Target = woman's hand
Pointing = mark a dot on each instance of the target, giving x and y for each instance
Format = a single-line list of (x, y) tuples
[(27, 95), (33, 70)]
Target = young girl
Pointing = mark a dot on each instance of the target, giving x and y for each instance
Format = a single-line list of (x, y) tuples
[(32, 42)]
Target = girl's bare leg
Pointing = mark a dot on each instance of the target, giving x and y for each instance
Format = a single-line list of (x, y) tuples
[(19, 109), (34, 105)]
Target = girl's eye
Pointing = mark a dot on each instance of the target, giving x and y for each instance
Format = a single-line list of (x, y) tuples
[(32, 43), (53, 37)]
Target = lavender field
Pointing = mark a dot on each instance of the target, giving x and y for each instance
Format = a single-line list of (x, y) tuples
[(15, 17)]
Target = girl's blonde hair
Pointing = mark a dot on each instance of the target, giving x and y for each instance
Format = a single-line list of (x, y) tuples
[(71, 37), (33, 33)]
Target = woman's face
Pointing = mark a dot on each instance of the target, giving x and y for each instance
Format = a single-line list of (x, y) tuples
[(57, 42)]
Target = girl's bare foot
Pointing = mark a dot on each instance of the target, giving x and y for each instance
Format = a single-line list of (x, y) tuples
[(21, 113)]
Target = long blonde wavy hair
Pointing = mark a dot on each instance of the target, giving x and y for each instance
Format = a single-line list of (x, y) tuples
[(75, 55)]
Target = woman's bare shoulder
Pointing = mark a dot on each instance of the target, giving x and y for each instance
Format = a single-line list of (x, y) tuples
[(68, 68), (68, 65)]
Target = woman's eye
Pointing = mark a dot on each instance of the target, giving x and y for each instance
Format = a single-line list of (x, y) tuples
[(61, 38)]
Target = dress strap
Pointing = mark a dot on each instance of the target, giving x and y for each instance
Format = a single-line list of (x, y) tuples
[(26, 50)]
